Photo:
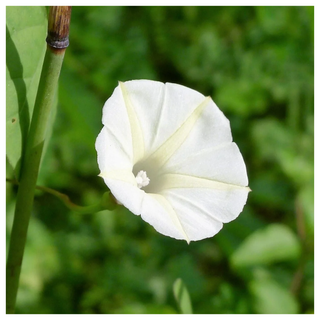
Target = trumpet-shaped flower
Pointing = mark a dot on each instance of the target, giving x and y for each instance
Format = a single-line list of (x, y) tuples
[(166, 153)]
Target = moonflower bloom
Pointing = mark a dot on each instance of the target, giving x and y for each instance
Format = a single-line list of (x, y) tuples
[(166, 153)]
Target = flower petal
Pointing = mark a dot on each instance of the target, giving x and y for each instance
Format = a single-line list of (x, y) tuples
[(160, 108), (178, 217), (126, 192), (114, 142), (173, 143), (153, 208), (223, 201), (196, 223), (135, 126), (195, 176), (202, 205), (112, 154), (224, 163), (158, 212)]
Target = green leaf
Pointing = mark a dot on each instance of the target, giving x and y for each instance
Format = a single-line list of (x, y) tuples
[(269, 297), (306, 204), (26, 29), (274, 243), (182, 296)]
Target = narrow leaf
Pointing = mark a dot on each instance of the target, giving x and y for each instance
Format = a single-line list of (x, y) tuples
[(182, 296)]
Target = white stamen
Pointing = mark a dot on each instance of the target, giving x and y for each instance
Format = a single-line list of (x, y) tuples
[(142, 179)]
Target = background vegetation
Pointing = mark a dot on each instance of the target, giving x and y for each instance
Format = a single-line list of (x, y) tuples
[(257, 64)]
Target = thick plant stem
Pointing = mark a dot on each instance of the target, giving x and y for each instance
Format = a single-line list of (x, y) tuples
[(32, 157)]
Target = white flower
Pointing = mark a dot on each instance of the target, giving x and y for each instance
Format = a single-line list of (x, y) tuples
[(166, 153)]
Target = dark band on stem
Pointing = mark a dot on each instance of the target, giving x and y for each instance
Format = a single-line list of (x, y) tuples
[(58, 27)]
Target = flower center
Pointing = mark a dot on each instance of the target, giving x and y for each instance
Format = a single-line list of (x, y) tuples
[(142, 179)]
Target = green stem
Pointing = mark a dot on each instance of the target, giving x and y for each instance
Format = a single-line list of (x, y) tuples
[(107, 201), (30, 167)]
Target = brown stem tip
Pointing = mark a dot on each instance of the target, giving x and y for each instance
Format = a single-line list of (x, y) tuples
[(58, 26)]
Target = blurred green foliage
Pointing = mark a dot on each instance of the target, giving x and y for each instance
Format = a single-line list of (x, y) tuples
[(257, 64)]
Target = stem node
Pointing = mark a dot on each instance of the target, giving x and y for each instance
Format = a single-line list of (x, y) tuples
[(58, 27)]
